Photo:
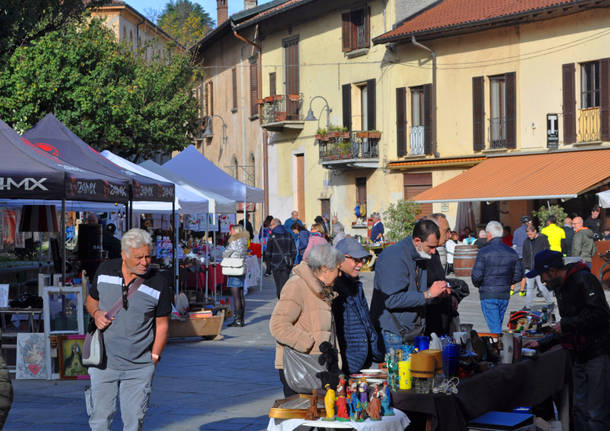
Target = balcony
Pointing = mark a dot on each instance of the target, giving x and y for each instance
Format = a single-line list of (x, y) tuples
[(355, 149), (417, 140), (498, 128), (281, 112), (589, 125)]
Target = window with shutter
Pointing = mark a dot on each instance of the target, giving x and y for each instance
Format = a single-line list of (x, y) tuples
[(414, 184), (498, 114), (478, 114), (234, 83), (356, 29), (272, 84), (605, 99), (291, 63), (401, 121), (254, 87), (417, 136), (511, 110), (569, 103), (371, 106)]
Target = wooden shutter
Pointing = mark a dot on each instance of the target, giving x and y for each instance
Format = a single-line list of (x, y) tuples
[(414, 184), (361, 191), (371, 104), (478, 114), (428, 119), (234, 81), (272, 84), (346, 25), (347, 105), (401, 121), (511, 110), (604, 90), (291, 55), (254, 88), (569, 103), (367, 27)]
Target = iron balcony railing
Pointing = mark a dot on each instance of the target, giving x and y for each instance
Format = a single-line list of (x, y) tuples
[(281, 107), (417, 140), (357, 144), (498, 132), (589, 125)]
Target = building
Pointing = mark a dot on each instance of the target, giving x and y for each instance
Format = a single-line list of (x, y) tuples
[(134, 29)]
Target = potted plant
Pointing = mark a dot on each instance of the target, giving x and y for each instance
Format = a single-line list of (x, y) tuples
[(294, 97), (268, 99), (321, 135)]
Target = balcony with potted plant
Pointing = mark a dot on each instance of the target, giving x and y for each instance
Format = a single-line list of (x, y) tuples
[(340, 148), (282, 111)]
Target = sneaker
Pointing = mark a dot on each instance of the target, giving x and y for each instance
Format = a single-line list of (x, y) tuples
[(522, 293), (512, 292)]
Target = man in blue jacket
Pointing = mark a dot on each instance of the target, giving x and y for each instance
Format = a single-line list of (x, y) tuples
[(356, 335), (496, 269), (280, 253), (400, 289)]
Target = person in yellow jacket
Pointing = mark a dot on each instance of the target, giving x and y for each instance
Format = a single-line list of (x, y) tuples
[(554, 233)]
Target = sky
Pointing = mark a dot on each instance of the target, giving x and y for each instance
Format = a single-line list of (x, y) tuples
[(147, 6)]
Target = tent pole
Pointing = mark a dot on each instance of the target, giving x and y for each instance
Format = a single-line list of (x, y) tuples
[(63, 241), (214, 244), (175, 248), (260, 234), (207, 260)]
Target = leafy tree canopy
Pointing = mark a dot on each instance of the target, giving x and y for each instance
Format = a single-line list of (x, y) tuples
[(400, 218), (185, 21), (109, 97), (22, 21)]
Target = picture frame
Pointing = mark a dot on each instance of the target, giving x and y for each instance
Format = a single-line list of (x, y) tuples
[(70, 357), (33, 359), (63, 310)]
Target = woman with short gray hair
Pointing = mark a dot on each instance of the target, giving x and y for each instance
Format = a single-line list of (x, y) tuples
[(302, 319)]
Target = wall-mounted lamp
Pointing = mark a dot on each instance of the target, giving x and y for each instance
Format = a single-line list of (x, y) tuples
[(311, 117)]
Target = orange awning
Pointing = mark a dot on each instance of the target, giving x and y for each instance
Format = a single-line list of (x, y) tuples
[(560, 175)]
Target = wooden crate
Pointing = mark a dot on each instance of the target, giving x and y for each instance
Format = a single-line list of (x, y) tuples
[(208, 327)]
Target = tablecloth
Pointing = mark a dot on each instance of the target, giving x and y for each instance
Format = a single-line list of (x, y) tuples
[(398, 422)]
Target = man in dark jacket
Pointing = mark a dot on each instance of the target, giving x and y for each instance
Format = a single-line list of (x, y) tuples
[(496, 269), (569, 230), (534, 244), (401, 291), (356, 335), (280, 253), (594, 222), (584, 330)]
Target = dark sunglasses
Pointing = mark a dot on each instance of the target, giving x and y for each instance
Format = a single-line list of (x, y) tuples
[(359, 260)]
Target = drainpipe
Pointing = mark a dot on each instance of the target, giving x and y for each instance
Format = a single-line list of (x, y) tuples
[(138, 32), (243, 39), (433, 56)]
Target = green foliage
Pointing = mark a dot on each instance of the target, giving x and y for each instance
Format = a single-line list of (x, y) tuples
[(400, 218), (100, 90), (543, 213), (321, 131), (185, 21)]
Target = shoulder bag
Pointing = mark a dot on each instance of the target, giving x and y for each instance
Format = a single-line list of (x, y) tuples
[(286, 259), (93, 346), (300, 369), (233, 266)]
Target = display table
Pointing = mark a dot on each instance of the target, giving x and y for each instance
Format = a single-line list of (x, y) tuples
[(504, 387), (398, 422)]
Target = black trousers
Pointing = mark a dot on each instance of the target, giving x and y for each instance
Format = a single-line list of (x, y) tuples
[(280, 276)]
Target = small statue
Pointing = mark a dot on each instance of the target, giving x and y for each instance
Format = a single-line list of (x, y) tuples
[(342, 414), (348, 399), (341, 389), (329, 403), (312, 413), (374, 407), (355, 403), (386, 400), (359, 409), (364, 395)]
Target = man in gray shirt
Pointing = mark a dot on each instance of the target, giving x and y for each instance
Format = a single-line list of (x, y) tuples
[(133, 339)]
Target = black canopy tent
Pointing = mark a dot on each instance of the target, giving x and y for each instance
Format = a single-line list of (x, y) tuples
[(31, 173)]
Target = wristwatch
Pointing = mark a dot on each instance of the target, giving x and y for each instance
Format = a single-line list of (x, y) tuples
[(427, 294), (156, 357)]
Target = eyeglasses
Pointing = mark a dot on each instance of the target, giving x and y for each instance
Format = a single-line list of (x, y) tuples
[(357, 261)]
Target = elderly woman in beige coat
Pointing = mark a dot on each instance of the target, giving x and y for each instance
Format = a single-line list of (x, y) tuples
[(302, 318)]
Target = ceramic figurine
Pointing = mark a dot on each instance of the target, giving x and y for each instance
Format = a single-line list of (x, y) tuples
[(348, 399), (312, 413), (363, 389), (386, 401), (359, 409), (374, 408), (342, 414), (341, 389), (355, 403), (329, 403)]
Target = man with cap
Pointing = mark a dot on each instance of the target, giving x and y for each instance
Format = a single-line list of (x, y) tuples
[(358, 340), (584, 330)]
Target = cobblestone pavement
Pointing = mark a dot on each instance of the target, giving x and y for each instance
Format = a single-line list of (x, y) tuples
[(226, 385)]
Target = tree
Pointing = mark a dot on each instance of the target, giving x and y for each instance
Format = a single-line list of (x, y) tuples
[(23, 21), (101, 91), (400, 218), (544, 212), (185, 21)]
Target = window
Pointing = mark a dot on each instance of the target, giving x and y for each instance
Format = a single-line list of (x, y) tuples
[(356, 29), (251, 170), (361, 194), (291, 67), (234, 81), (498, 110), (254, 86), (272, 84), (361, 115), (589, 80), (417, 106)]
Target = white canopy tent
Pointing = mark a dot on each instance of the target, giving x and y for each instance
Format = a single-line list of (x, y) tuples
[(604, 199)]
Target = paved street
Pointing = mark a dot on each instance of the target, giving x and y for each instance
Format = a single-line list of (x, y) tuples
[(224, 385)]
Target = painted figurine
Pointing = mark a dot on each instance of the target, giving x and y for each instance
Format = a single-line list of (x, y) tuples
[(342, 414), (364, 395), (374, 407), (348, 399), (355, 404), (329, 403), (386, 401), (358, 409), (341, 389)]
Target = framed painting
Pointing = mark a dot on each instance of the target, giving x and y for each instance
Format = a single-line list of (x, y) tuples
[(63, 310), (33, 356), (70, 356)]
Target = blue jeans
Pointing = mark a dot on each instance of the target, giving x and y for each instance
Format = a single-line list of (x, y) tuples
[(493, 311), (592, 394), (236, 281), (133, 388), (391, 340)]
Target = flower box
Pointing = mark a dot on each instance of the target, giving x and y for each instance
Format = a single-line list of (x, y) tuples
[(370, 135), (268, 99)]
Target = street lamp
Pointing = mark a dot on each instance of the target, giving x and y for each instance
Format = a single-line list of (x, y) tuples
[(311, 117), (208, 133)]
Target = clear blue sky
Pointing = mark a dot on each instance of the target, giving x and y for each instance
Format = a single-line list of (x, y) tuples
[(145, 7)]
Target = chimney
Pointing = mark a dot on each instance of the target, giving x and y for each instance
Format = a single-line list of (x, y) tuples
[(222, 11), (249, 4)]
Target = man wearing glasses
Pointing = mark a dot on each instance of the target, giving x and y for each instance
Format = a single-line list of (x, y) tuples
[(358, 340), (133, 339)]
